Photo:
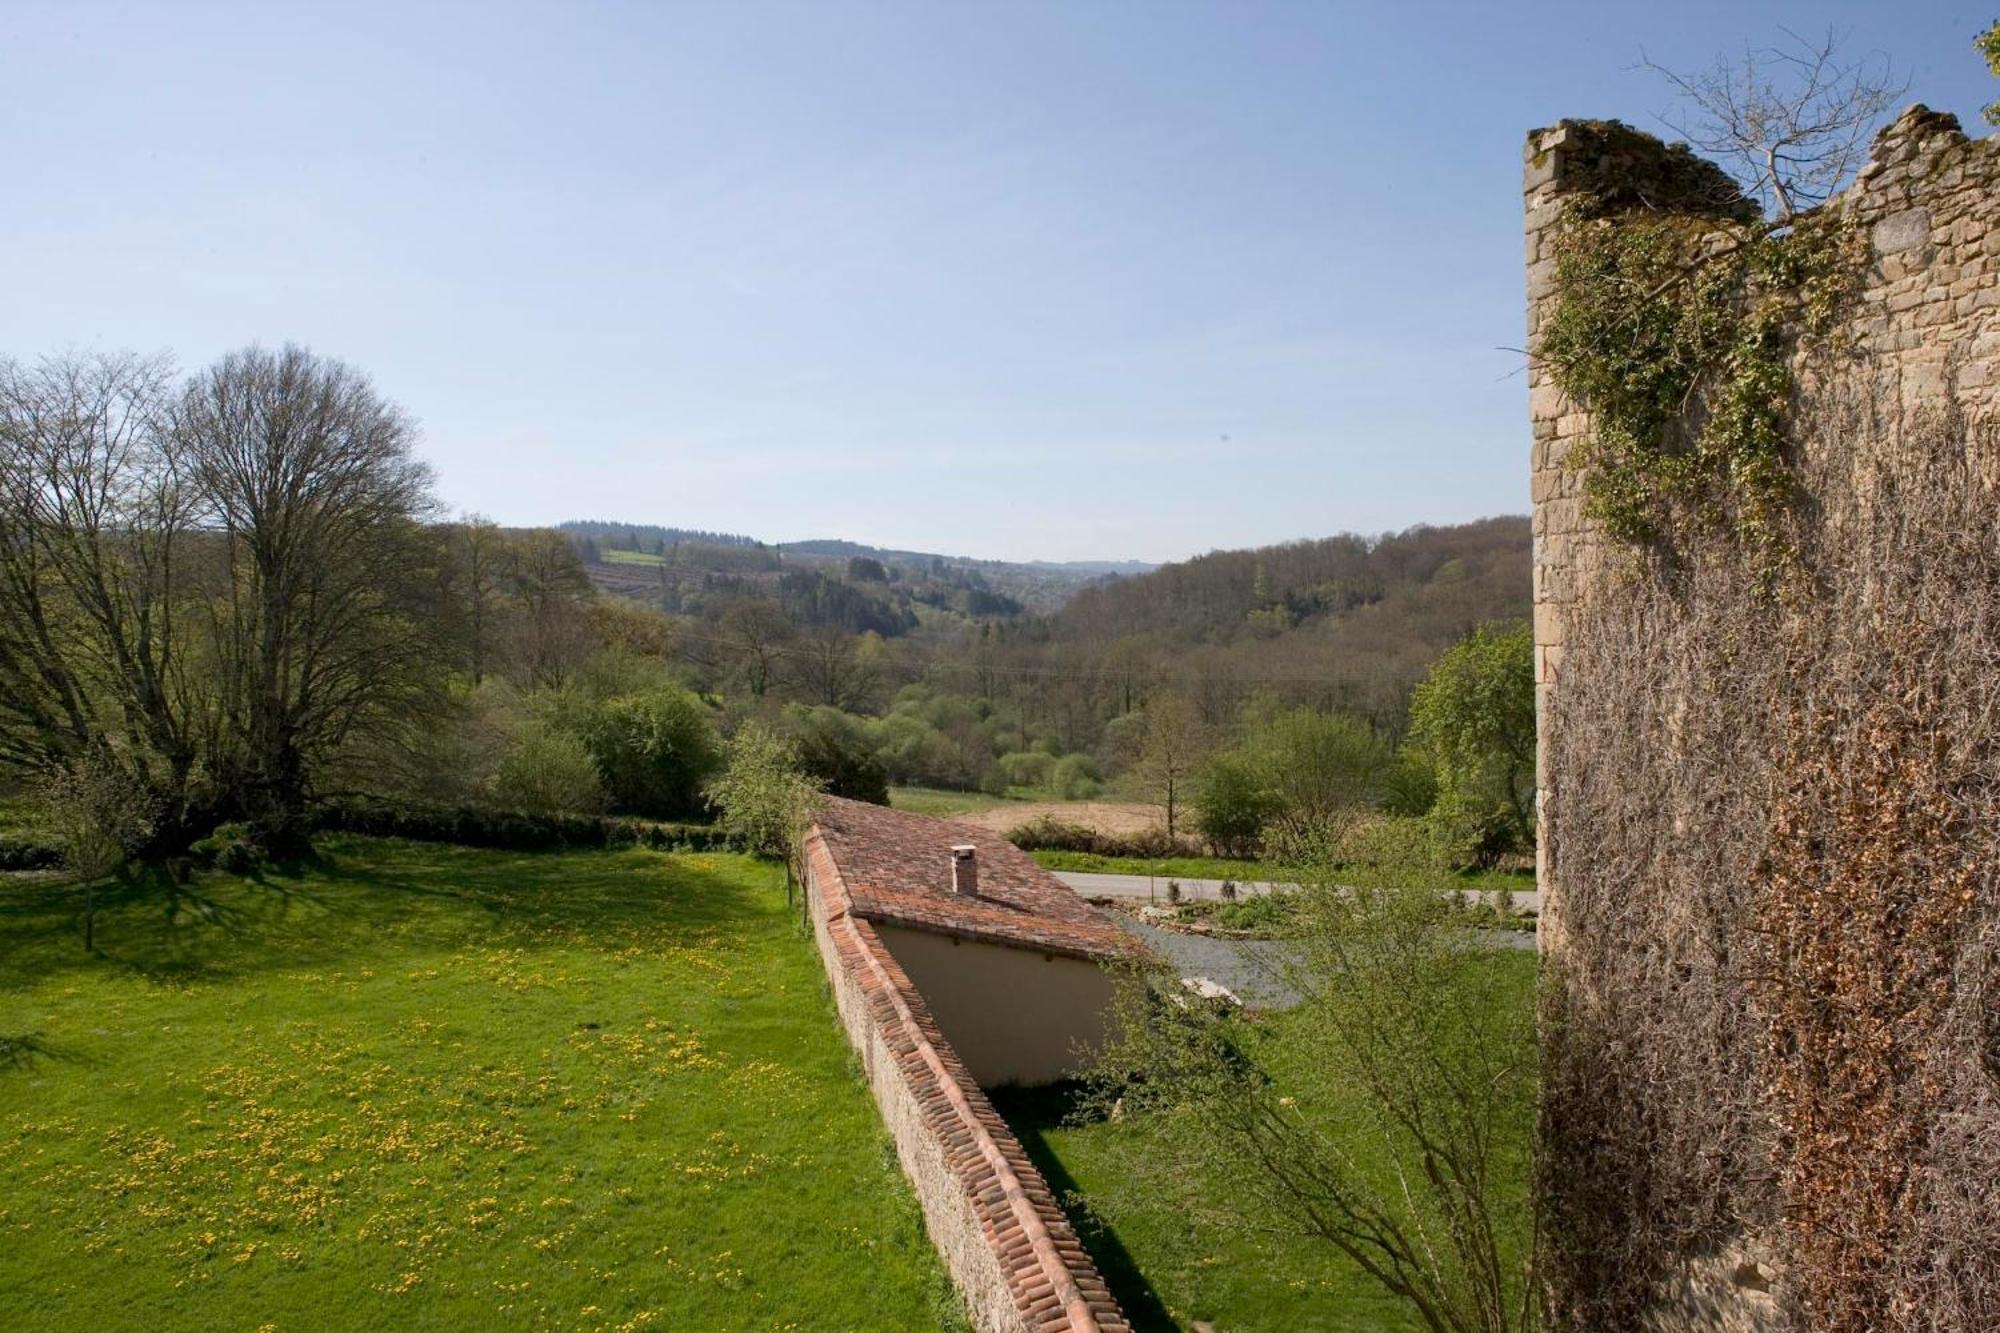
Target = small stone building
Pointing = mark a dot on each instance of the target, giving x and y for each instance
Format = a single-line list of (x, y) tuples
[(1009, 959), (958, 964)]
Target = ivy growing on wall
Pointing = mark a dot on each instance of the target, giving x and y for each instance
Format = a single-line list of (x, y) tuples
[(1678, 331)]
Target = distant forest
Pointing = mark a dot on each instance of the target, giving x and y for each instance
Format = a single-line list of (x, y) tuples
[(1347, 623)]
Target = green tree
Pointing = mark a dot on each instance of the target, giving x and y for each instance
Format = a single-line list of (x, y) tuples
[(101, 816), (1233, 803), (763, 798), (833, 747), (549, 771), (1473, 720), (1322, 768), (656, 751)]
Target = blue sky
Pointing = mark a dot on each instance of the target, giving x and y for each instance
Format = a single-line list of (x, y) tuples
[(1082, 280)]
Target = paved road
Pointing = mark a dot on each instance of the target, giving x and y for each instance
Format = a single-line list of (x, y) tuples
[(1254, 970), (1098, 884)]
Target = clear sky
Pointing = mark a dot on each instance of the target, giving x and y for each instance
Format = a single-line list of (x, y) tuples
[(1077, 280)]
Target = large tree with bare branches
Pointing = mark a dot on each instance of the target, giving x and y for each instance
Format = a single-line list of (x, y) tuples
[(209, 589), (307, 477), (95, 517)]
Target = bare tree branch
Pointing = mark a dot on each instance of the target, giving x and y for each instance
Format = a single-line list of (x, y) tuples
[(1790, 121)]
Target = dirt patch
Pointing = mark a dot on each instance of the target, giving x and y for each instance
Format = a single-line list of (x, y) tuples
[(1117, 818)]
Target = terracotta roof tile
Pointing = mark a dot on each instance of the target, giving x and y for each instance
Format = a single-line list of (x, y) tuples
[(897, 869)]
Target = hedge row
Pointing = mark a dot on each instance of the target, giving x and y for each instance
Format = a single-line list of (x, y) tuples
[(507, 831), (1053, 835)]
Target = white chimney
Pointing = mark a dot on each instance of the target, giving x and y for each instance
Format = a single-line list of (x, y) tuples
[(965, 870)]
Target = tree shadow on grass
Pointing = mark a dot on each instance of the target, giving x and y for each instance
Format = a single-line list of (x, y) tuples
[(25, 1050), (333, 906), (1030, 1113), (527, 894)]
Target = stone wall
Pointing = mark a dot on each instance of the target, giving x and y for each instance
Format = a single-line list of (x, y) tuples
[(1005, 1241), (1923, 340), (1926, 330)]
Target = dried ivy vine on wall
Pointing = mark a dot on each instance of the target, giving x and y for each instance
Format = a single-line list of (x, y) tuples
[(1677, 330), (1776, 835)]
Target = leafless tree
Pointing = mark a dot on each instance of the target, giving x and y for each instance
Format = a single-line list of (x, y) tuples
[(1176, 743), (550, 590), (1791, 120), (477, 549), (94, 531), (831, 668), (760, 632), (307, 476)]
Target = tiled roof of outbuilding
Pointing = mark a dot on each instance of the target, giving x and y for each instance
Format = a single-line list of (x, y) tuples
[(897, 869)]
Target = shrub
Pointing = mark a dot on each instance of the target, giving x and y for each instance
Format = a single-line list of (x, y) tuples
[(549, 771), (764, 800), (1045, 834), (1323, 767), (228, 848), (1266, 913), (835, 749), (28, 856), (1411, 788), (1075, 778), (655, 751), (1232, 806), (101, 814), (1028, 768), (1466, 833), (470, 826), (994, 781)]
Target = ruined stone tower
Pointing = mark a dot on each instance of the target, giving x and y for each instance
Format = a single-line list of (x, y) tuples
[(1680, 1132)]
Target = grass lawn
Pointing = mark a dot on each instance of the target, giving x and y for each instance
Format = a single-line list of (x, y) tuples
[(1167, 867), (631, 557), (1216, 867), (21, 818), (941, 803), (425, 1087), (1164, 1274)]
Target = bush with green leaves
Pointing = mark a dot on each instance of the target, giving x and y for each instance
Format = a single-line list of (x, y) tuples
[(834, 748), (1233, 804), (1472, 722), (762, 797), (655, 752), (229, 848), (1048, 834), (1411, 787), (1028, 768), (1323, 769), (548, 771), (1075, 778)]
